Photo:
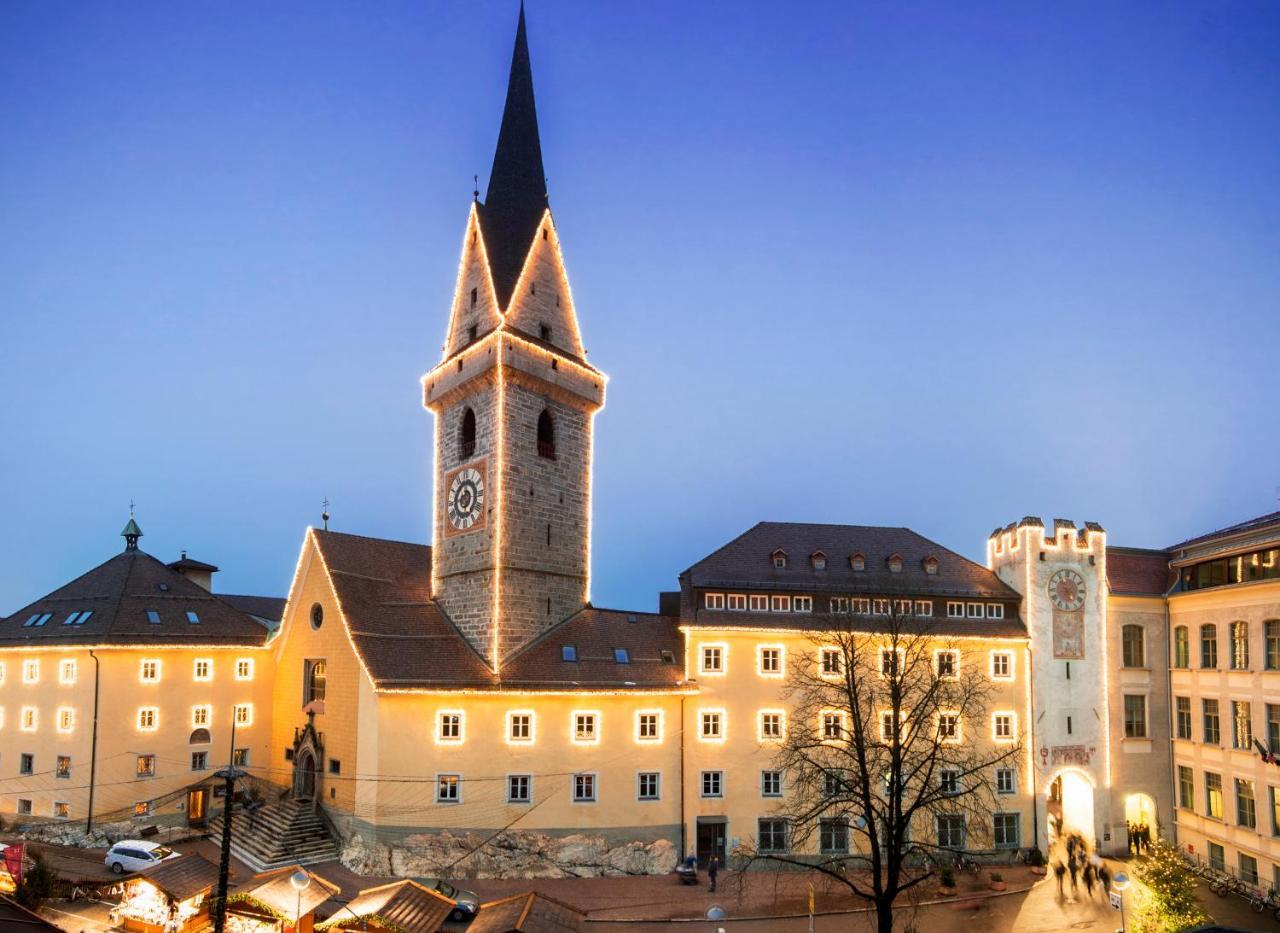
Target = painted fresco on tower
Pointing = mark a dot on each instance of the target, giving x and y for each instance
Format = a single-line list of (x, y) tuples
[(1068, 635)]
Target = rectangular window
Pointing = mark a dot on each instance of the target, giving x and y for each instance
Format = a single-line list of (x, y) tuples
[(31, 671), (1241, 725), (902, 607), (584, 788), (199, 761), (1135, 716), (203, 669), (712, 783), (839, 605), (977, 610), (713, 600), (146, 766), (519, 788), (1181, 647), (833, 729), (200, 716), (1248, 868), (711, 660), (712, 726), (1275, 810), (335, 766), (771, 726), (833, 835), (1246, 806), (520, 727), (771, 835), (948, 663), (1273, 728), (647, 785), (860, 606), (585, 728), (1217, 857), (142, 808), (649, 726), (924, 608), (61, 810), (448, 788), (24, 807), (1001, 665), (832, 662), (244, 668), (949, 727), (955, 610), (1183, 705), (880, 607), (148, 718), (64, 766), (770, 783), (1208, 646), (26, 763), (949, 781), (758, 602), (770, 660), (1002, 727), (889, 658), (886, 726), (950, 828), (1213, 795), (150, 671), (28, 722), (1212, 722), (996, 611), (737, 602), (66, 719), (240, 757), (1186, 788), (802, 604), (1271, 638), (1007, 830), (780, 604), (67, 671), (1006, 781), (244, 714), (449, 727)]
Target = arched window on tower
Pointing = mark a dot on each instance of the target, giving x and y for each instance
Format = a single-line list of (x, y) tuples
[(315, 681), (467, 436), (546, 436)]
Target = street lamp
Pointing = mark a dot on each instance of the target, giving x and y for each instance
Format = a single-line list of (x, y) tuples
[(1120, 882), (300, 881)]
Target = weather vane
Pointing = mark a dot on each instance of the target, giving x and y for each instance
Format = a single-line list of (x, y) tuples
[(131, 508), (325, 514), (475, 192)]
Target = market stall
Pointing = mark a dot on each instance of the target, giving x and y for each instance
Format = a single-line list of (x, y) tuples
[(399, 907), (172, 897), (527, 913), (279, 901)]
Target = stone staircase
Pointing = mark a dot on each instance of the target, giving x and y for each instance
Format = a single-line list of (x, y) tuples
[(286, 833)]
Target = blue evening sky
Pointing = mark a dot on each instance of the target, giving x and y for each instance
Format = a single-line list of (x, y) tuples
[(929, 264)]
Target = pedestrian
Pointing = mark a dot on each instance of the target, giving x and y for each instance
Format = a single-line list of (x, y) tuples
[(1087, 876), (1071, 845), (1059, 870), (1146, 838), (1104, 879), (713, 868), (1128, 836), (1074, 868)]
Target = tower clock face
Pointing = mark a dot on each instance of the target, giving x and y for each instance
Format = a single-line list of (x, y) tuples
[(464, 498), (1066, 590)]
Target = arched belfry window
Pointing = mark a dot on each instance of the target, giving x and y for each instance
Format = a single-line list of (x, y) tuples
[(467, 436), (315, 681), (546, 436)]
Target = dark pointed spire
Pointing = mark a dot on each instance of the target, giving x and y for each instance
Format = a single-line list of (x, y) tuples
[(517, 193)]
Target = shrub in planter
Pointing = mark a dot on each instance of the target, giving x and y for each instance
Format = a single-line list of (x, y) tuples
[(997, 881)]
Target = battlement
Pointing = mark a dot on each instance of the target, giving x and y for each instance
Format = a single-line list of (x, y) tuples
[(1028, 536)]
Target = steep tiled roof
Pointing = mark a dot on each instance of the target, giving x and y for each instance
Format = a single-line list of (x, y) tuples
[(267, 608), (1138, 572), (183, 877), (119, 594), (596, 633), (405, 905), (746, 562), (527, 913), (1253, 524)]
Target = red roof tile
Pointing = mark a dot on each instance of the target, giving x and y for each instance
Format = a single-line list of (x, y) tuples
[(1138, 572)]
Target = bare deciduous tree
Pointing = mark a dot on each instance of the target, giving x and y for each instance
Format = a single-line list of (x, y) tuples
[(889, 760)]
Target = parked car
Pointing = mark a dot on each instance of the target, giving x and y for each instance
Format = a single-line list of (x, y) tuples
[(467, 903), (136, 855)]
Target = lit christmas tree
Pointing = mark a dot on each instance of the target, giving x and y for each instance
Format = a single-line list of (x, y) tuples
[(1170, 903)]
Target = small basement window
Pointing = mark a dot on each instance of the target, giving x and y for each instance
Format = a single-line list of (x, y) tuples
[(568, 652), (621, 656)]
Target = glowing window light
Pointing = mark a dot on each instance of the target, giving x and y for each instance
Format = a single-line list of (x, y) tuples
[(1002, 665), (202, 670), (200, 715), (244, 714), (1004, 726), (521, 727), (149, 671), (66, 719), (771, 660), (450, 727), (946, 663), (771, 725), (148, 718), (244, 668), (30, 719), (67, 671), (31, 671), (830, 664), (713, 659), (584, 727), (711, 725), (649, 726)]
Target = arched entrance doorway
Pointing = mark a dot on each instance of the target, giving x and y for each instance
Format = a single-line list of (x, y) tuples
[(304, 775), (1140, 810), (1070, 805)]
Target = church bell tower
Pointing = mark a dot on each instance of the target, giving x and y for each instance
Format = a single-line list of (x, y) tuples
[(514, 401)]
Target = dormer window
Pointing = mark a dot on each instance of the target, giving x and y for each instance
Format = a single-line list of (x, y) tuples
[(931, 565), (857, 563), (895, 563), (819, 560), (780, 559)]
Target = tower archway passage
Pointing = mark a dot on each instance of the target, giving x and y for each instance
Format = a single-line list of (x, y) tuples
[(1070, 804)]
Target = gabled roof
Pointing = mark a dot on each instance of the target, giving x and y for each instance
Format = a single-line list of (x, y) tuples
[(1138, 572), (1253, 524), (268, 609), (120, 593), (517, 195), (745, 563), (183, 877), (404, 905), (275, 890), (527, 913)]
